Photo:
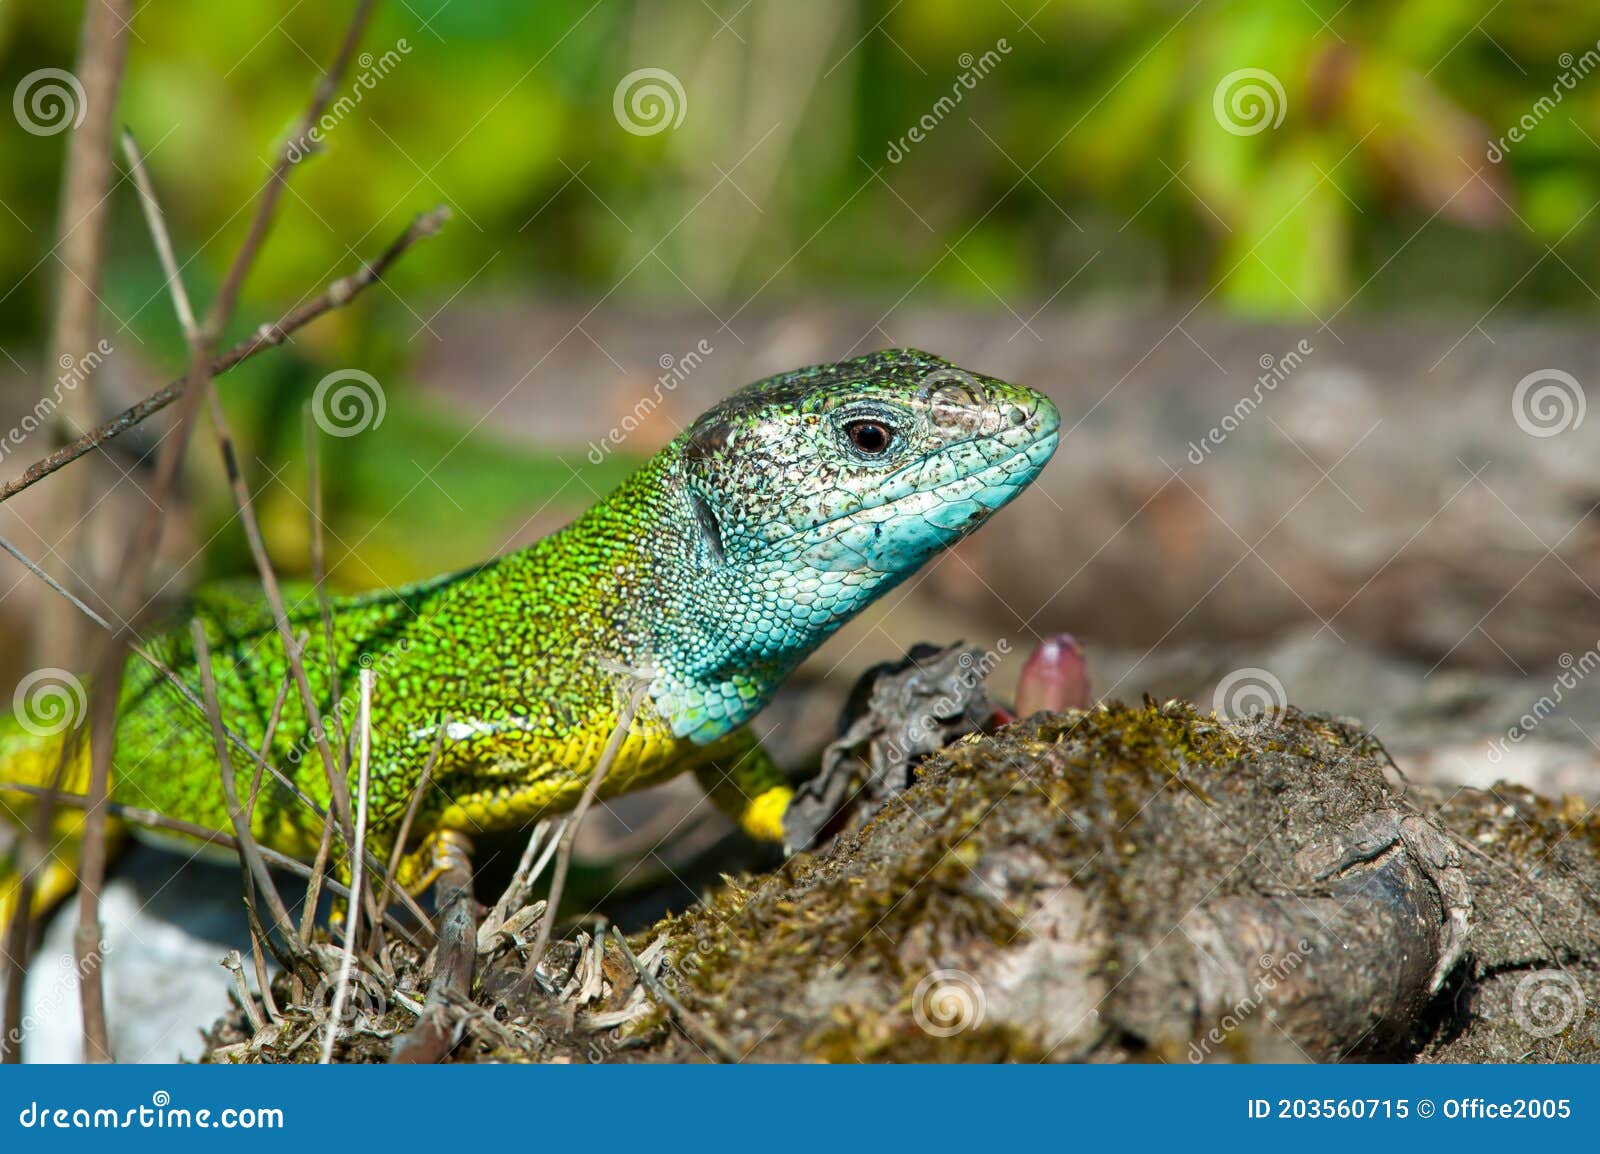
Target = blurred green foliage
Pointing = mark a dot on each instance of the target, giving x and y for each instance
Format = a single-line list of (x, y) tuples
[(1094, 136)]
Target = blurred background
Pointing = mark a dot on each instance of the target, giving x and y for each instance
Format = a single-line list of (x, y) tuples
[(1314, 283)]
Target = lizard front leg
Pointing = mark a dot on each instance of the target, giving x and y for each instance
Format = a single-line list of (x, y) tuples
[(745, 783)]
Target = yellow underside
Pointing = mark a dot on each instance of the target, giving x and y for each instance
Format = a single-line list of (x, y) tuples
[(643, 759)]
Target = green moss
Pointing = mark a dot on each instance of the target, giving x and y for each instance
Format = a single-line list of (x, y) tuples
[(893, 900)]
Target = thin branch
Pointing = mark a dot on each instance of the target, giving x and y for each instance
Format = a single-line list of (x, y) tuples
[(140, 554), (412, 805), (157, 223), (234, 964), (455, 957), (249, 852), (269, 336), (352, 925), (266, 207), (80, 250), (691, 1025), (546, 835), (338, 785), (199, 340), (85, 209), (18, 937), (591, 790), (319, 565), (319, 870)]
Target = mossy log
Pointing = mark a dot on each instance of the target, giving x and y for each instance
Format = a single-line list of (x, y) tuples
[(1122, 884)]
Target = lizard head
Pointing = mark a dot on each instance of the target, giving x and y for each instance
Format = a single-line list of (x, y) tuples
[(815, 491)]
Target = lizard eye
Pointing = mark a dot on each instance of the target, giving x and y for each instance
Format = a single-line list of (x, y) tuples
[(869, 437)]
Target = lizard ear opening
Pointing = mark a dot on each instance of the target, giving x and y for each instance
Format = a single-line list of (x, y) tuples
[(710, 531)]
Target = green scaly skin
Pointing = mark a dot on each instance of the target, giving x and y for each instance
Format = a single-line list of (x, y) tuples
[(708, 576)]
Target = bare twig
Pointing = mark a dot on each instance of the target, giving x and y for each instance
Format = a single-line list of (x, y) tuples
[(234, 964), (338, 785), (288, 154), (18, 934), (198, 344), (454, 959), (691, 1025), (141, 549), (412, 805), (338, 294), (84, 211), (249, 852), (591, 790), (528, 870), (319, 870), (80, 249), (319, 566), (157, 223), (353, 914)]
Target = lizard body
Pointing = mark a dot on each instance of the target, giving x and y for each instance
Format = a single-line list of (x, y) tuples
[(707, 577)]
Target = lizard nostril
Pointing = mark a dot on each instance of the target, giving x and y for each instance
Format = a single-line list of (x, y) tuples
[(1016, 415)]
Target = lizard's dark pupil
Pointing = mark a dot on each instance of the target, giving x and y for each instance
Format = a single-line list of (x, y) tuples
[(868, 436)]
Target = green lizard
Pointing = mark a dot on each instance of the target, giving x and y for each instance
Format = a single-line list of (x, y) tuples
[(705, 578)]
